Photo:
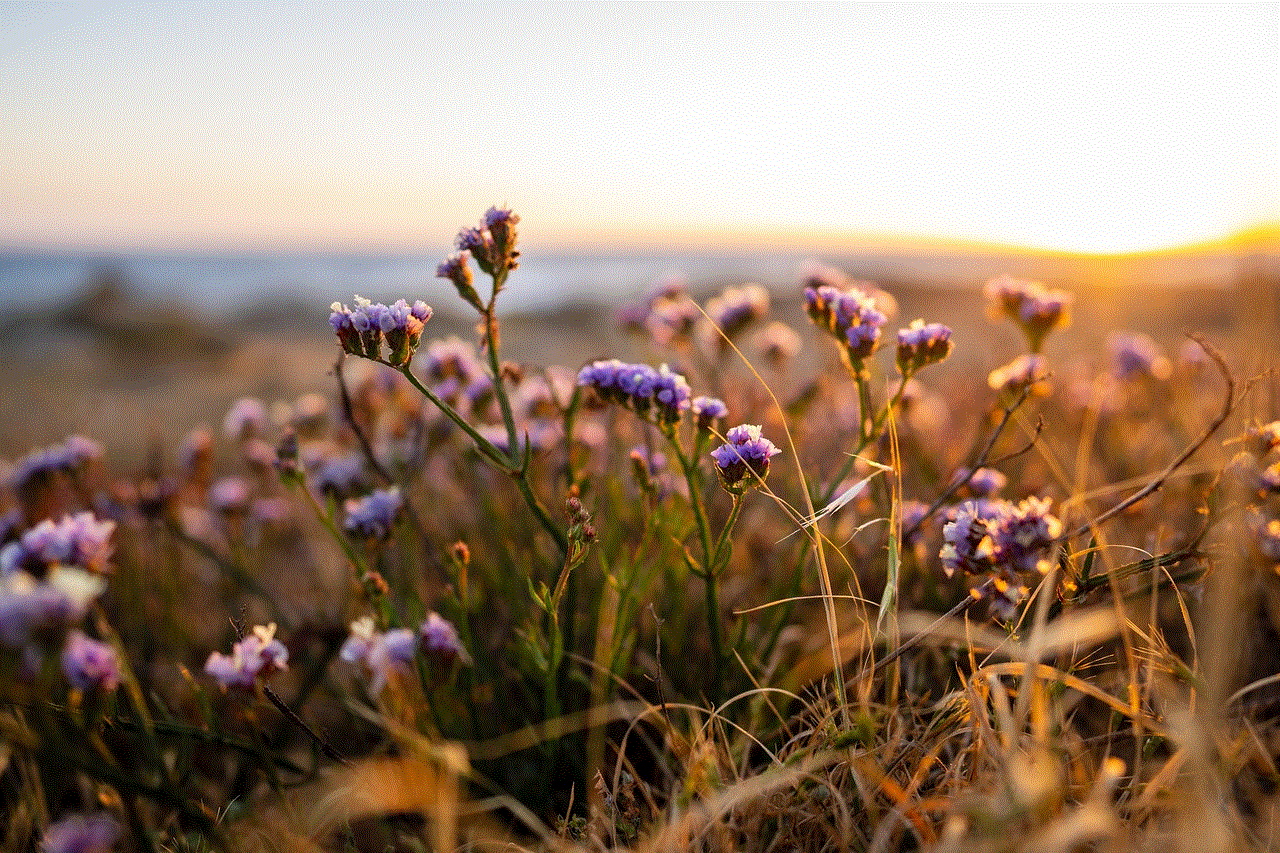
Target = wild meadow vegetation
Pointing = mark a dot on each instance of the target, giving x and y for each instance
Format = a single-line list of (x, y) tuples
[(705, 601)]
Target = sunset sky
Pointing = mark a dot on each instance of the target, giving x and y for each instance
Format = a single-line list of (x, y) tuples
[(384, 127)]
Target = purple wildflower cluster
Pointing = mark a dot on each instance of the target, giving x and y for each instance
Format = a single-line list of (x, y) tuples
[(72, 454), (746, 450), (1261, 439), (384, 653), (707, 410), (493, 243), (1036, 309), (922, 344), (90, 664), (732, 311), (984, 483), (363, 330), (1003, 541), (252, 658), (851, 316), (339, 475), (1136, 356), (777, 343), (78, 833), (230, 495), (639, 387), (30, 605), (245, 419), (373, 516), (1030, 369), (456, 269), (453, 371), (76, 540)]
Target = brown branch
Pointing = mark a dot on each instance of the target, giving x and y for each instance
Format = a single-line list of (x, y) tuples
[(328, 750), (1228, 405)]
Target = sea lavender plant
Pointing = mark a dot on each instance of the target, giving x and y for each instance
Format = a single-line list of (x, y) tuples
[(1136, 356), (1036, 309), (373, 517), (89, 664), (640, 388), (746, 451), (252, 660), (731, 312), (82, 833), (75, 540), (920, 345), (363, 330), (245, 419), (1002, 541)]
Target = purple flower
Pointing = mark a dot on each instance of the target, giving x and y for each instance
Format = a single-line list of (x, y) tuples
[(1136, 355), (985, 482), (1002, 541), (362, 330), (733, 310), (1267, 535), (373, 516), (746, 450), (77, 833), (28, 605), (852, 317), (244, 419), (76, 540), (338, 475), (89, 664), (230, 495), (671, 319), (922, 344), (74, 453), (254, 657), (457, 270), (967, 543), (707, 410), (1030, 369), (1034, 307), (439, 640), (639, 387), (778, 343), (379, 654)]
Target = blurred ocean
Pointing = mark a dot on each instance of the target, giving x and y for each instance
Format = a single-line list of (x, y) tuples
[(221, 285)]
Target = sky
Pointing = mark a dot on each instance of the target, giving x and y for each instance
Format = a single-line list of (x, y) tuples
[(368, 127)]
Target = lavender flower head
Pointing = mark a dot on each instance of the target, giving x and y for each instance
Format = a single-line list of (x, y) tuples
[(639, 387), (362, 330), (852, 317), (1036, 309), (77, 833), (254, 657), (73, 453), (745, 451), (337, 475), (439, 640), (732, 311), (922, 344), (1002, 541), (1025, 370), (984, 483), (1136, 355), (373, 516), (244, 419), (90, 664), (493, 244), (29, 605), (75, 540), (379, 654), (230, 495), (456, 269), (707, 410), (673, 319), (778, 343)]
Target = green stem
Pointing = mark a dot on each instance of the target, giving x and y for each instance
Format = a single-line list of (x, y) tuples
[(484, 445)]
